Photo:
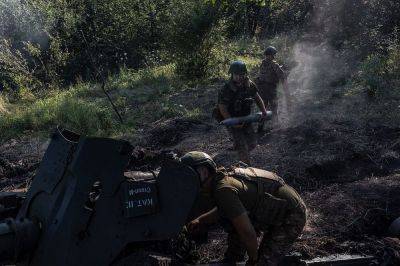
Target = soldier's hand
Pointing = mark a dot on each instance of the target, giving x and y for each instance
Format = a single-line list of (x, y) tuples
[(239, 126), (263, 115), (194, 226)]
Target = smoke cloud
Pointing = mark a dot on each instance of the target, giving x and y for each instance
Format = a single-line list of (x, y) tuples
[(319, 68)]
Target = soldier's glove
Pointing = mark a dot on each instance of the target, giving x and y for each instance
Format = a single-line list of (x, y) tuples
[(194, 226)]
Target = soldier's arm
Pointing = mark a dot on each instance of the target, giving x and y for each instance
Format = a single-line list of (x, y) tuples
[(260, 104), (210, 217), (231, 207), (207, 218), (224, 98), (223, 109), (261, 72), (247, 235)]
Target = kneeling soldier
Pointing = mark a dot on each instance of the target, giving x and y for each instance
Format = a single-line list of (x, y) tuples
[(251, 200)]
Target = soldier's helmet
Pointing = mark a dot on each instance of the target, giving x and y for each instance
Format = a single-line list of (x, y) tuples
[(198, 158), (238, 68), (270, 51)]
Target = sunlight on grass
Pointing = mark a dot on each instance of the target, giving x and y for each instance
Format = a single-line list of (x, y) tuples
[(141, 96), (3, 108), (85, 117)]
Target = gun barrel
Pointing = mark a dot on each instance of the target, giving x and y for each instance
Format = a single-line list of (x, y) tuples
[(233, 121)]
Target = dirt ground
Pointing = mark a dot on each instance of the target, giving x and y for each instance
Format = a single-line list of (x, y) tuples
[(347, 172)]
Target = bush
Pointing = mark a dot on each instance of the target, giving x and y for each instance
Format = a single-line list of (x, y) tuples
[(199, 43), (380, 73), (52, 43)]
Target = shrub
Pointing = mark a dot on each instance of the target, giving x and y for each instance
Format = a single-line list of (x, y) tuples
[(380, 73), (199, 44)]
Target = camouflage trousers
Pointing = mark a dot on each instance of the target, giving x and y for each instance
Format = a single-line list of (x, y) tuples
[(244, 140), (276, 241), (269, 94)]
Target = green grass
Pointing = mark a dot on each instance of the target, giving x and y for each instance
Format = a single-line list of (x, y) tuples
[(63, 108), (140, 96)]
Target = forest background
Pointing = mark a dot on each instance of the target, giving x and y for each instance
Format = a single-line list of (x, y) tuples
[(57, 57)]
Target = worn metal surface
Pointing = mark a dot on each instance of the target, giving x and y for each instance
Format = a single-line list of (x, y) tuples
[(334, 260), (80, 198), (10, 203), (17, 237), (140, 198), (394, 228), (341, 260)]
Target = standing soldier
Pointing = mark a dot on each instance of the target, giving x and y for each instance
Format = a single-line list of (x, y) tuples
[(249, 200), (235, 99), (270, 75)]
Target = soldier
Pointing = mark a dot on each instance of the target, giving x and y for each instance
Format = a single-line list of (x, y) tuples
[(236, 99), (250, 200), (270, 75)]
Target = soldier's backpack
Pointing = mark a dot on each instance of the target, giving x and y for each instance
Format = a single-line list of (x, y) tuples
[(269, 210)]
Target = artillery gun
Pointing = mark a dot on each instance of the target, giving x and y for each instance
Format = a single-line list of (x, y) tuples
[(82, 210)]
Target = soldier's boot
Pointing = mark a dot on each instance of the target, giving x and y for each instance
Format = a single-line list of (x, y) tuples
[(269, 260), (235, 252)]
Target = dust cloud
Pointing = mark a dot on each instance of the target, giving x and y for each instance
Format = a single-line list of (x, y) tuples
[(319, 69)]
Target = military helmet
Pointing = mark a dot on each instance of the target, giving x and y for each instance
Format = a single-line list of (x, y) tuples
[(270, 51), (238, 68), (198, 158)]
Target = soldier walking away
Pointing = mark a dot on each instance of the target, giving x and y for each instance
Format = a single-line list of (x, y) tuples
[(271, 73), (249, 201), (236, 99)]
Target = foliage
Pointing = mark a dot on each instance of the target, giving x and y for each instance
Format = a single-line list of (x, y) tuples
[(379, 74), (50, 43), (54, 52), (197, 43), (249, 18), (87, 117), (363, 26), (141, 97)]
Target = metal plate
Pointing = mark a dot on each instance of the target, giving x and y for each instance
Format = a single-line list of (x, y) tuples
[(140, 198)]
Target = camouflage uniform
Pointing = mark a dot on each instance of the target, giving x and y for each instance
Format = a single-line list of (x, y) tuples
[(270, 75), (239, 101), (281, 215)]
